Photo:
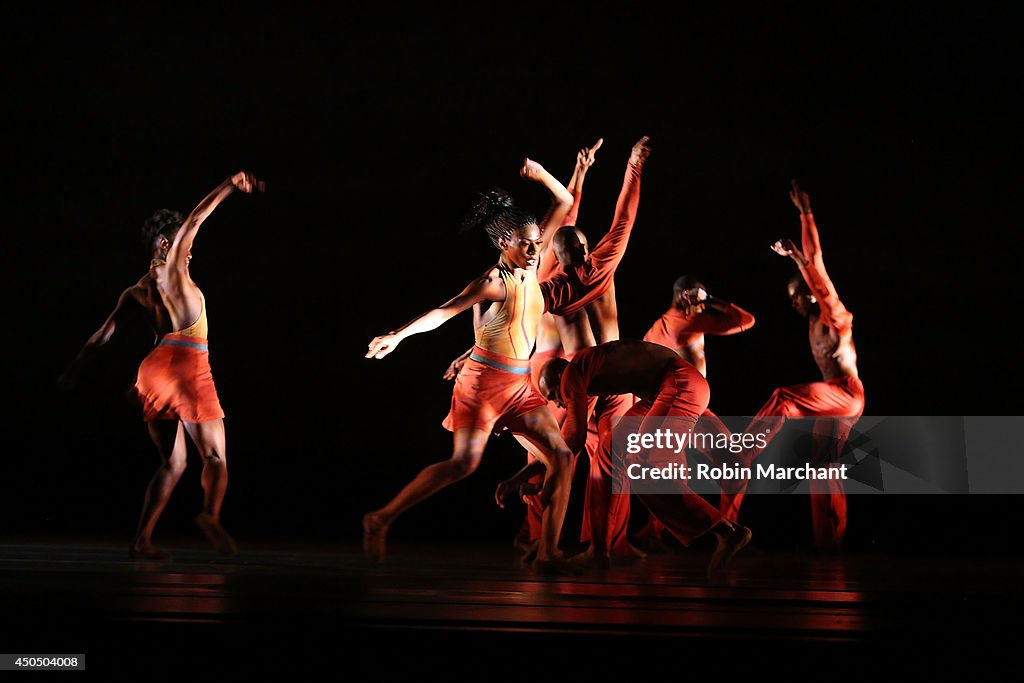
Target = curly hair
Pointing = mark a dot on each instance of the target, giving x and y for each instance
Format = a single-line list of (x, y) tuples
[(495, 212), (163, 222)]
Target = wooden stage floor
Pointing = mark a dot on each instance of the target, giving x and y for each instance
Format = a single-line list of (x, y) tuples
[(470, 611)]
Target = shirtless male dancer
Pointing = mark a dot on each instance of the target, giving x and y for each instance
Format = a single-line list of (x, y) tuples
[(840, 394), (668, 387), (174, 384), (493, 388)]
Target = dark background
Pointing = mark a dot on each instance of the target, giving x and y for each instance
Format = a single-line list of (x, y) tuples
[(374, 127)]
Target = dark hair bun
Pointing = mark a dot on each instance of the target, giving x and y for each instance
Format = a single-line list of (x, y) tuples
[(487, 205)]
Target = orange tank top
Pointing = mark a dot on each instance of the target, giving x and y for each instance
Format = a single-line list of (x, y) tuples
[(200, 328), (513, 329)]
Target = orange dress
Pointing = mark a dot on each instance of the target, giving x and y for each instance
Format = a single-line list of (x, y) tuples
[(493, 387), (174, 381)]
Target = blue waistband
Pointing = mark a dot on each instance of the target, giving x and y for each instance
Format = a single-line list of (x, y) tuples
[(499, 365), (186, 344)]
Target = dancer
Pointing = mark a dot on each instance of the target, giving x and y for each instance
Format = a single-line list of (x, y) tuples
[(693, 314), (580, 288), (840, 394), (174, 384), (492, 390), (668, 387)]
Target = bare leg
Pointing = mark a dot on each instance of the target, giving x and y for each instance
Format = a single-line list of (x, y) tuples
[(169, 439), (467, 452), (540, 428), (210, 440)]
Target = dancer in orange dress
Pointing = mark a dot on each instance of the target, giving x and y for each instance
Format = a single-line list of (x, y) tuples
[(493, 390), (839, 395), (174, 384), (693, 314)]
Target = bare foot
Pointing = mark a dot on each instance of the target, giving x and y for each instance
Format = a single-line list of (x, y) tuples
[(143, 550), (728, 545), (591, 559), (219, 538), (651, 543), (375, 536), (627, 552)]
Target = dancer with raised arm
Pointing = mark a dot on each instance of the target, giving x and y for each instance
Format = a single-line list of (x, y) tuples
[(174, 384), (840, 394), (493, 390)]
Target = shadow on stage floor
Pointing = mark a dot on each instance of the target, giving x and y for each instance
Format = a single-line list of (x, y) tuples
[(470, 610)]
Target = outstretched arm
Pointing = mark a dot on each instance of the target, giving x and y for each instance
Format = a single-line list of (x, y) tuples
[(606, 256), (98, 338), (486, 288), (182, 244)]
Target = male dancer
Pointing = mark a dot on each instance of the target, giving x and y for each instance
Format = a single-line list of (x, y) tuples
[(693, 314), (668, 387), (840, 393), (580, 288)]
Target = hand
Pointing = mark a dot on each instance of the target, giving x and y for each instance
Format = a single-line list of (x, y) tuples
[(586, 156), (785, 247), (454, 367), (246, 182), (799, 198), (505, 491), (383, 345), (640, 151), (531, 170)]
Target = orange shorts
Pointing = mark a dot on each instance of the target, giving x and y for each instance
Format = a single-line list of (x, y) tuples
[(490, 391), (175, 382)]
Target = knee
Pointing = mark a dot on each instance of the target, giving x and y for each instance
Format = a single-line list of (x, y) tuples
[(463, 465), (561, 461), (212, 456), (175, 465)]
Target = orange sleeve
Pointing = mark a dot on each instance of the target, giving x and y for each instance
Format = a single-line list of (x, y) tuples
[(732, 320), (605, 257), (574, 395), (570, 218), (833, 312)]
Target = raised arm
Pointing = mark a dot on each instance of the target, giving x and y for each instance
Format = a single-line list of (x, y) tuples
[(561, 199), (487, 288), (177, 255), (606, 256), (811, 264), (584, 160)]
